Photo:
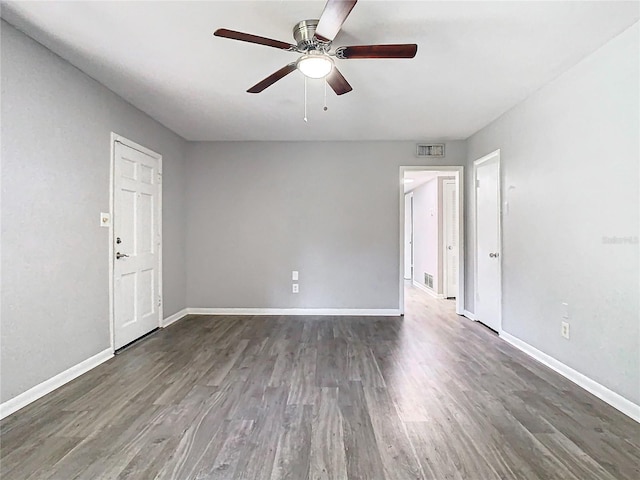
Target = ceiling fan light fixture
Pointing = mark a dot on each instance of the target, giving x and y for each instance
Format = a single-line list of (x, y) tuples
[(315, 66)]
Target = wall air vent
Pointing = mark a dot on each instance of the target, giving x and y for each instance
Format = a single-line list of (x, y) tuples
[(430, 150), (428, 280)]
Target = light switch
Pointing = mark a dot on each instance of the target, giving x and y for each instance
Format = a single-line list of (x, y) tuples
[(105, 219), (294, 275)]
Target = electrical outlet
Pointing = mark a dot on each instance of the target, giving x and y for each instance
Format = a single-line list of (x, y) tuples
[(294, 275), (295, 288), (565, 330)]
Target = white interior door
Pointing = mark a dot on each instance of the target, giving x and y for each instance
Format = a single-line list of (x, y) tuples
[(136, 236), (450, 235), (488, 283), (408, 236)]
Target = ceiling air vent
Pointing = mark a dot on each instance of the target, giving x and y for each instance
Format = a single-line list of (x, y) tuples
[(430, 150)]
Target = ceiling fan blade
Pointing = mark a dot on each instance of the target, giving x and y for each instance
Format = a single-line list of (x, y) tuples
[(337, 82), (406, 50), (246, 37), (333, 16), (273, 78)]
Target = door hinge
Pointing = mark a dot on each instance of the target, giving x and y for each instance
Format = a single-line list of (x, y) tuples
[(477, 183), (159, 301), (160, 178)]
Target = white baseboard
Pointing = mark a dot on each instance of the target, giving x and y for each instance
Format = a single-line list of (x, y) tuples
[(427, 290), (347, 312), (370, 312), (175, 317), (603, 393), (470, 315), (40, 390)]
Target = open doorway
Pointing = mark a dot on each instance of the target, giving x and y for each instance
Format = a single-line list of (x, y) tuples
[(432, 235)]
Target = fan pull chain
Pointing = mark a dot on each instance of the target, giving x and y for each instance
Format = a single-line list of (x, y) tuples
[(305, 98), (325, 96)]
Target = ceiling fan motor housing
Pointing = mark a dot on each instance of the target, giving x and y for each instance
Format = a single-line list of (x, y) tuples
[(304, 35)]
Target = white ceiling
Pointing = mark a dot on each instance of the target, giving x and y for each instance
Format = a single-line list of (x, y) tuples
[(475, 61)]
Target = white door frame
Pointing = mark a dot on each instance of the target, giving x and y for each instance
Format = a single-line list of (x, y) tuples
[(131, 144), (458, 170), (493, 155)]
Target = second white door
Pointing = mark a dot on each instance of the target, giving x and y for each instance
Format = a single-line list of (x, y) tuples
[(408, 236), (450, 236), (488, 262), (136, 235)]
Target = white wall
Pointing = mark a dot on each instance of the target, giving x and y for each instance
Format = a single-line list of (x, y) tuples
[(425, 232), (56, 125), (257, 210), (570, 172)]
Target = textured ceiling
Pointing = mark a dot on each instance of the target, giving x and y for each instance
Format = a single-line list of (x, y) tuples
[(475, 61)]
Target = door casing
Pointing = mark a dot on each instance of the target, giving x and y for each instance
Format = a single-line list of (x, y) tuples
[(111, 252), (458, 172)]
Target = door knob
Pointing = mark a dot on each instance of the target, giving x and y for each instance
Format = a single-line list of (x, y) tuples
[(120, 255)]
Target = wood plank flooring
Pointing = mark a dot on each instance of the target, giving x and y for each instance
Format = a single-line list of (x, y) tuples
[(428, 396)]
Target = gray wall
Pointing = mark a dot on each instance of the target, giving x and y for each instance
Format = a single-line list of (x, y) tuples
[(56, 123), (257, 210), (425, 233), (253, 211), (570, 166)]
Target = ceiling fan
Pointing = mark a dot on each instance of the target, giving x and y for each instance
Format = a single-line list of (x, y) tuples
[(313, 40)]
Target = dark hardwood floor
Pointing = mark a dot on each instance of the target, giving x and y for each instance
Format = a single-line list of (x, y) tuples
[(430, 396)]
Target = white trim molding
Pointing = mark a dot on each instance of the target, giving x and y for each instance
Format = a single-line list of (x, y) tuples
[(469, 315), (426, 289), (175, 317), (365, 312), (48, 386), (603, 393)]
